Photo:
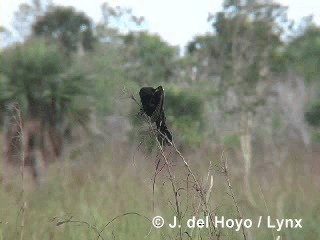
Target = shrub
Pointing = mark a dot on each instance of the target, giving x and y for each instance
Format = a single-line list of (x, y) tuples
[(184, 111)]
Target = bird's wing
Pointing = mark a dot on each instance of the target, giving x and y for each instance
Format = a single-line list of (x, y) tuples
[(146, 95), (159, 108)]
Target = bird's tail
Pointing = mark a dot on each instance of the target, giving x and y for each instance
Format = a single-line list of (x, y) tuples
[(164, 135)]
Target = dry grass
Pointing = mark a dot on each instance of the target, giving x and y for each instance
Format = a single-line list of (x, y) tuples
[(114, 196)]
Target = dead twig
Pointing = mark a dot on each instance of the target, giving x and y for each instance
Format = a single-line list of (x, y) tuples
[(225, 171)]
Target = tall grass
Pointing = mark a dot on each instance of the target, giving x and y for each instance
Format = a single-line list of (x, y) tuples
[(89, 194)]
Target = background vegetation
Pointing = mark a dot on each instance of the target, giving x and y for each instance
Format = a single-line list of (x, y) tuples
[(247, 92)]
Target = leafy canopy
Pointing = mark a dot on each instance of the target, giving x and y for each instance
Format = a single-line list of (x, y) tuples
[(37, 76), (67, 26)]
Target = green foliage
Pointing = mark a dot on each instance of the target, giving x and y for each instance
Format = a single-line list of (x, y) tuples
[(183, 103), (259, 26), (276, 121), (232, 140), (303, 52), (187, 132), (67, 26), (35, 75), (312, 116), (185, 114), (245, 42), (47, 85), (149, 59), (316, 137), (279, 60), (30, 69), (244, 51), (107, 75)]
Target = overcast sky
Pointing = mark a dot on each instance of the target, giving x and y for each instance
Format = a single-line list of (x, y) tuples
[(176, 21)]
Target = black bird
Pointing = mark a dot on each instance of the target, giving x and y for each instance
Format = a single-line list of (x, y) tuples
[(152, 105)]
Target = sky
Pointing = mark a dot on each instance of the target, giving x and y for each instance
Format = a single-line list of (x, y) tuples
[(176, 21)]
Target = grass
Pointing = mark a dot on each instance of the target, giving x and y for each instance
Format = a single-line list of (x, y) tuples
[(97, 190)]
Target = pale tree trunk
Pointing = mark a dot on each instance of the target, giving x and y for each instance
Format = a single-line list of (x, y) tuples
[(246, 128)]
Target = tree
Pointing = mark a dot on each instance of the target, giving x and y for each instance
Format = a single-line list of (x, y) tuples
[(37, 77), (26, 14), (236, 58), (302, 55), (303, 52), (37, 80), (149, 59), (71, 28)]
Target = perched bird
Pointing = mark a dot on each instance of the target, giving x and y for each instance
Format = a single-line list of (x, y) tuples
[(152, 105)]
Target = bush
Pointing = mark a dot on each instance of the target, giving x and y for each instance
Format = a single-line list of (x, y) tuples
[(36, 75), (312, 116), (184, 111)]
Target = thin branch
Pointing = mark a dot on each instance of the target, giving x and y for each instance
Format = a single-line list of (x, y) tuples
[(225, 169)]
